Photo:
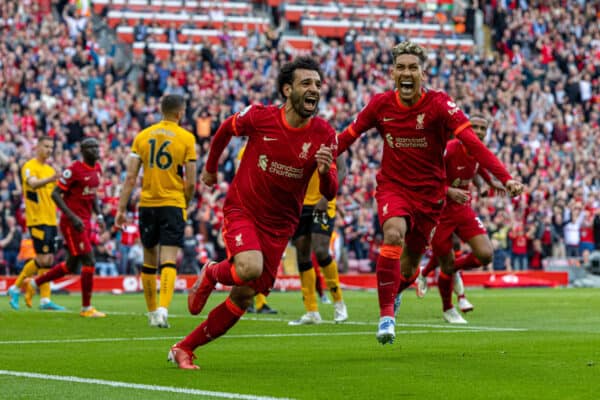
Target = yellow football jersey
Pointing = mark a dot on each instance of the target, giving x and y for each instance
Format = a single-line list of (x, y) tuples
[(39, 206), (313, 195), (163, 149)]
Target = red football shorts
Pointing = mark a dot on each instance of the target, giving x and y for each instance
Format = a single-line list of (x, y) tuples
[(423, 212), (78, 243), (240, 234), (461, 220)]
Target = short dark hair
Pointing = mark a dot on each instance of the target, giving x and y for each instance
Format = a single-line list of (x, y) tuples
[(44, 138), (89, 141), (286, 74), (171, 104)]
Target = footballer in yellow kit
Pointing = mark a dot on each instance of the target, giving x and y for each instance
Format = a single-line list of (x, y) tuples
[(313, 235), (38, 181), (167, 153)]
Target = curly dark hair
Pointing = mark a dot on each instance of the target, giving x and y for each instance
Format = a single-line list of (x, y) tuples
[(410, 48), (286, 74)]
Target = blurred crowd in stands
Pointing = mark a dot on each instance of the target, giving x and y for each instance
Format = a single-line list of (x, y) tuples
[(539, 85)]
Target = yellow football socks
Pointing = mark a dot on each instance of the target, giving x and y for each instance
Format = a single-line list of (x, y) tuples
[(309, 292), (29, 269), (332, 279), (260, 300), (44, 287), (168, 274)]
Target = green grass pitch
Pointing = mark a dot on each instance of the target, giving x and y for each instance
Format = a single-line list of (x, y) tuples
[(519, 344)]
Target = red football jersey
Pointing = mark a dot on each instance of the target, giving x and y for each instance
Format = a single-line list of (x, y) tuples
[(415, 137), (80, 182), (277, 165)]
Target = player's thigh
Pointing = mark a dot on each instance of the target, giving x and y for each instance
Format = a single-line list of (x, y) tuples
[(468, 225), (321, 234), (395, 212), (78, 242), (442, 241), (44, 243), (273, 249), (149, 226), (426, 219), (171, 224), (168, 254)]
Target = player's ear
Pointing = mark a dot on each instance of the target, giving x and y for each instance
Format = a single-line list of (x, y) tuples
[(287, 90)]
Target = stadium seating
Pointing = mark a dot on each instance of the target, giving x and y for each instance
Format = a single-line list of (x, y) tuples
[(174, 6)]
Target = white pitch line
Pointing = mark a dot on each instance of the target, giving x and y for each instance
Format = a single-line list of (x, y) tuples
[(247, 336), (358, 323), (127, 385)]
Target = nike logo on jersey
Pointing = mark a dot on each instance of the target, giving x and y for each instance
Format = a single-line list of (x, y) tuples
[(87, 178), (269, 139), (386, 119), (386, 283), (460, 167)]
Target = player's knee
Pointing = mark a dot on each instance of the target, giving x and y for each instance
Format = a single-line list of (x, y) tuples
[(304, 266), (44, 260), (242, 296), (393, 237), (248, 270), (486, 256), (322, 254)]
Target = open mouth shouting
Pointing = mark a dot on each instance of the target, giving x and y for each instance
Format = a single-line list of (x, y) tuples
[(406, 88), (310, 102)]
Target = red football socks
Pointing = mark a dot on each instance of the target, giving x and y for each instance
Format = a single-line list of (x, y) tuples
[(87, 285), (466, 262), (224, 273), (388, 278), (219, 321), (58, 271), (445, 284)]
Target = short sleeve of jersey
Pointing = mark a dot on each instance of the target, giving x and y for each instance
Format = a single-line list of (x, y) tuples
[(190, 148), (454, 119), (67, 178), (367, 117), (244, 122)]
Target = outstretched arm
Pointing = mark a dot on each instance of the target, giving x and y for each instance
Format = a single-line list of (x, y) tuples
[(489, 161), (218, 144)]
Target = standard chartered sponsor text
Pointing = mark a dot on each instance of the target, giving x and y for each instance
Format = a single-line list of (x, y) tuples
[(286, 170), (410, 142)]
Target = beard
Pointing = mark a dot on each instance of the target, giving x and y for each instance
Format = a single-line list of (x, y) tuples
[(298, 106)]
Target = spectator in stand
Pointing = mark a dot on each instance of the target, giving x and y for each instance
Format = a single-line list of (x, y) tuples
[(572, 234), (140, 31), (190, 250), (104, 252), (518, 255), (10, 243), (129, 233)]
